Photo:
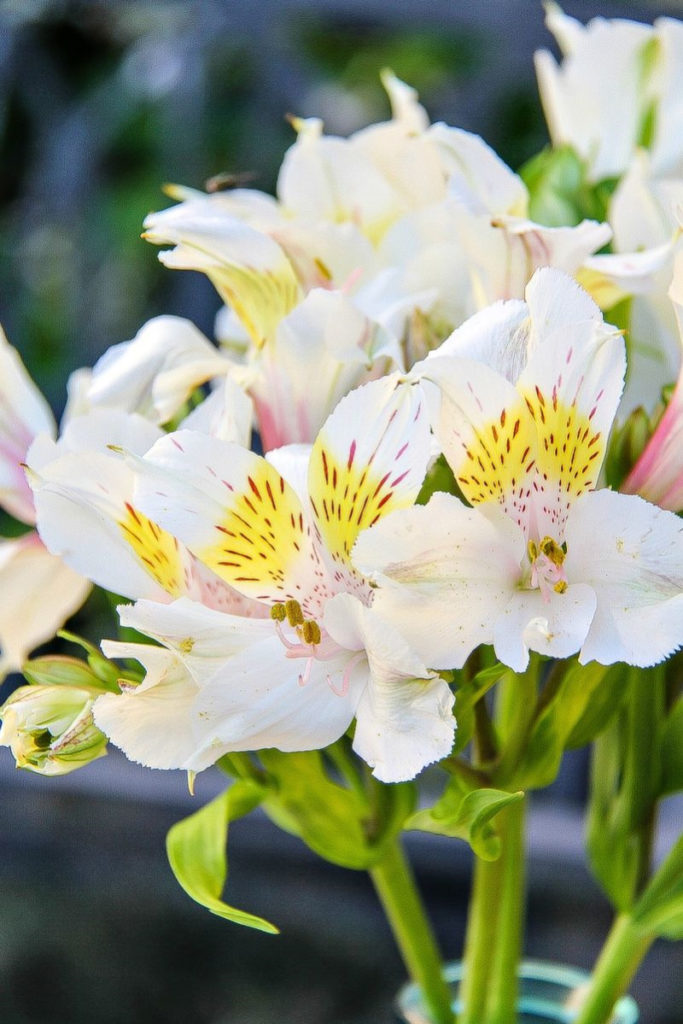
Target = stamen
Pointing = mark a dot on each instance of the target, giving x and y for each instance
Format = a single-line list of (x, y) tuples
[(306, 674), (547, 572), (278, 613), (310, 632), (341, 691), (552, 550), (288, 643), (295, 617)]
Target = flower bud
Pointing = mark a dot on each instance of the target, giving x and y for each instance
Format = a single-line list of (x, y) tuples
[(627, 444), (50, 729)]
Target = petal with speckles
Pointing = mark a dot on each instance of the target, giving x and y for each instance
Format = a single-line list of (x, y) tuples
[(235, 512), (369, 458)]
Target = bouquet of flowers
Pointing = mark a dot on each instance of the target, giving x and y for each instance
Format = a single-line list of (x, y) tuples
[(453, 542)]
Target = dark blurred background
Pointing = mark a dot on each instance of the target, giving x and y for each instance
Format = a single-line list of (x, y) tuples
[(100, 103)]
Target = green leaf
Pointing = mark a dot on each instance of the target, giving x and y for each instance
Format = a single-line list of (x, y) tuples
[(659, 910), (467, 695), (612, 854), (345, 826), (671, 747), (559, 194), (554, 178), (467, 814), (196, 851), (577, 709)]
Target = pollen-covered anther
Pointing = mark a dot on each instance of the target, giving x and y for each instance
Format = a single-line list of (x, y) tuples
[(278, 613), (295, 616), (547, 567), (309, 632)]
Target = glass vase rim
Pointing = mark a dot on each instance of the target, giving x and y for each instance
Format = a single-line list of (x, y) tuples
[(566, 975)]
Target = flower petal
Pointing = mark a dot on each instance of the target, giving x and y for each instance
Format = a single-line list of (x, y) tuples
[(257, 700), (555, 625), (234, 511), (486, 433), (38, 593), (444, 572), (151, 723), (404, 719), (571, 386), (248, 269), (369, 458), (631, 554), (157, 371), (24, 414)]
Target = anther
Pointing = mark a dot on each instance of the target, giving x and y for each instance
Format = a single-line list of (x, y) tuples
[(295, 617), (552, 550), (310, 632), (278, 612)]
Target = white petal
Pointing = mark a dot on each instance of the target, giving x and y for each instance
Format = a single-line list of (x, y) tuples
[(234, 511), (496, 336), (327, 178), (157, 371), (249, 270), (596, 99), (38, 593), (477, 175), (631, 554), (443, 573), (84, 515), (203, 638), (369, 458), (326, 339), (227, 413), (24, 414), (260, 698), (555, 626), (404, 720), (151, 723)]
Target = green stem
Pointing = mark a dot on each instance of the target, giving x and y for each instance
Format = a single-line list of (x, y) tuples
[(482, 921), (502, 1000), (494, 928), (398, 894), (620, 957)]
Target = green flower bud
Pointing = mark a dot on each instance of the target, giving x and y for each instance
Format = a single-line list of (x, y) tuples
[(50, 729), (627, 444)]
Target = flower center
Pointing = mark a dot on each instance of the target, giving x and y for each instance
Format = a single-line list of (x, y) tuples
[(547, 567), (312, 642)]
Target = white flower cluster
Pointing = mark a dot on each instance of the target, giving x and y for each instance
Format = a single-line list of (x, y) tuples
[(394, 303)]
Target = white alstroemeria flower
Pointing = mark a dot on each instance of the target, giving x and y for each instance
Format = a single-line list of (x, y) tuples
[(156, 372), (326, 339), (248, 269), (86, 516), (646, 237), (38, 592), (658, 473), (280, 530), (540, 561), (369, 179), (618, 87), (24, 414)]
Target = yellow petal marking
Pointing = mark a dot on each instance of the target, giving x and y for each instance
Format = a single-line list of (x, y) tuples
[(498, 462), (569, 449), (261, 537), (348, 497), (260, 298), (542, 443), (156, 550)]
